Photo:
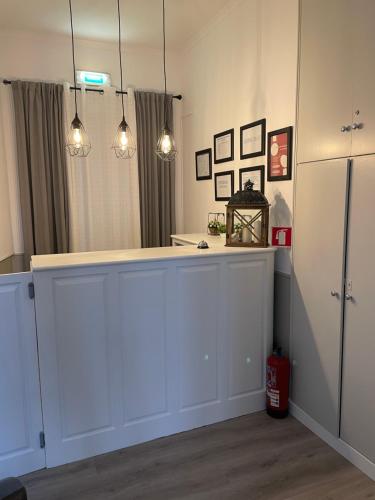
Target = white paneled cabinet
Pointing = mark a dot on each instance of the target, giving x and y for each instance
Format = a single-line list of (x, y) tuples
[(358, 376), (131, 352), (20, 405), (336, 109), (318, 262), (325, 83)]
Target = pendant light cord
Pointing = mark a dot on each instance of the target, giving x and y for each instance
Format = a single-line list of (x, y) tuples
[(74, 62), (165, 71), (120, 57)]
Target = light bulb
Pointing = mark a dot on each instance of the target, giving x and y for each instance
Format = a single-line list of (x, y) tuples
[(166, 148), (78, 142), (124, 140), (124, 144), (77, 137), (166, 144)]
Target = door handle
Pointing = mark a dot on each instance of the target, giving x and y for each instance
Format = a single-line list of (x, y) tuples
[(346, 128), (357, 126), (334, 293), (348, 296)]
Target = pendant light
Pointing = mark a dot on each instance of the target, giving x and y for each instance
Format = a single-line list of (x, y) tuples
[(124, 144), (78, 142), (166, 147)]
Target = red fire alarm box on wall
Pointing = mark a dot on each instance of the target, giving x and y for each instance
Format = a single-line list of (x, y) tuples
[(281, 236)]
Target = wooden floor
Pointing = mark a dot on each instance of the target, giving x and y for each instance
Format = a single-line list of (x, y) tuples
[(252, 457)]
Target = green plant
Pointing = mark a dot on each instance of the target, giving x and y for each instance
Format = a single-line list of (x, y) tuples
[(214, 224), (222, 228), (238, 227)]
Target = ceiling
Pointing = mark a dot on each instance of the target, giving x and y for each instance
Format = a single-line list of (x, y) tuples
[(96, 19)]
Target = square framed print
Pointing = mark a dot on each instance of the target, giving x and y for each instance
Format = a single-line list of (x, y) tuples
[(203, 164), (255, 174), (224, 146), (224, 185), (279, 160), (253, 139)]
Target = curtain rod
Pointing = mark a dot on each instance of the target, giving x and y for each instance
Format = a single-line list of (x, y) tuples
[(100, 91)]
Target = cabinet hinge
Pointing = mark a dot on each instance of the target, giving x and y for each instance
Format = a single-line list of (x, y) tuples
[(31, 290), (42, 439)]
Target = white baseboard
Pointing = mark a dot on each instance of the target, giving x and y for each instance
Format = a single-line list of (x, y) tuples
[(356, 458)]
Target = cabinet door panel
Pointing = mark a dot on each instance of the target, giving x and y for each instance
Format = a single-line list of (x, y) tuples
[(143, 302), (363, 43), (20, 405), (325, 88), (245, 323), (318, 258), (198, 288), (358, 402)]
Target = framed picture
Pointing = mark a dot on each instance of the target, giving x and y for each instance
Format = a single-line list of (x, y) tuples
[(279, 160), (255, 174), (253, 139), (203, 164), (224, 185), (224, 146)]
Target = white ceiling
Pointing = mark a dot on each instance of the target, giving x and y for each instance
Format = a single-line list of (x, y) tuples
[(96, 19)]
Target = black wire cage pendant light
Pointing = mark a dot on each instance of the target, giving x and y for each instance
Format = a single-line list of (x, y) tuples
[(166, 147), (123, 144), (78, 142)]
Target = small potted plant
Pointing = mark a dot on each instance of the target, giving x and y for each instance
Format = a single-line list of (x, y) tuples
[(223, 230), (214, 227)]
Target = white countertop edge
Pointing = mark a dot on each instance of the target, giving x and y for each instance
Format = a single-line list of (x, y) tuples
[(110, 257)]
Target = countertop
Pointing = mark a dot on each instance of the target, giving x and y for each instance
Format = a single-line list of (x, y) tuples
[(83, 259), (195, 238)]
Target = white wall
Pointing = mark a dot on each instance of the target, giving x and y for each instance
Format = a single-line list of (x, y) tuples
[(48, 57), (243, 67)]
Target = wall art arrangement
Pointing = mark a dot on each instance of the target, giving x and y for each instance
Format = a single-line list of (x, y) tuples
[(224, 185), (253, 139), (252, 144), (203, 164), (224, 146), (255, 174), (279, 159)]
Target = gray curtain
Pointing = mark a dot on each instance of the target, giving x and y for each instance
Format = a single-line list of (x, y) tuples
[(42, 166), (156, 178)]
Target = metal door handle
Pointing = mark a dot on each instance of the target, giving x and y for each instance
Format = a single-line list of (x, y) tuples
[(345, 128), (348, 296), (357, 126), (334, 293)]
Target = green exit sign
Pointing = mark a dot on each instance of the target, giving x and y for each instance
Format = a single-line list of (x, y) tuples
[(93, 78)]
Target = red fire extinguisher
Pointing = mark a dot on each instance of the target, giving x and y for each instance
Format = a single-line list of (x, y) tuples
[(278, 370)]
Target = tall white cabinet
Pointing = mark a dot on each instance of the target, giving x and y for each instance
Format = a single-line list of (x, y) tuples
[(336, 108), (333, 310)]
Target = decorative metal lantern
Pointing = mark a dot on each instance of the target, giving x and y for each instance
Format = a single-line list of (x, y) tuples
[(247, 218)]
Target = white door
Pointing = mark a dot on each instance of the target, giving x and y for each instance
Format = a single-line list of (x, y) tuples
[(325, 80), (363, 43), (358, 401), (20, 406), (318, 257)]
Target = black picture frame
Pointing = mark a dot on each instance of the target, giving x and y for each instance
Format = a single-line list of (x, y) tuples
[(288, 174), (222, 134), (221, 174), (260, 168), (197, 154), (262, 150)]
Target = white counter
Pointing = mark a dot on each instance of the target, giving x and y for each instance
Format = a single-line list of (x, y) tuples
[(138, 344), (83, 259)]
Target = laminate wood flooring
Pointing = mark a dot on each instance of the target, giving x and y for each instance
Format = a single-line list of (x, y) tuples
[(252, 457)]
